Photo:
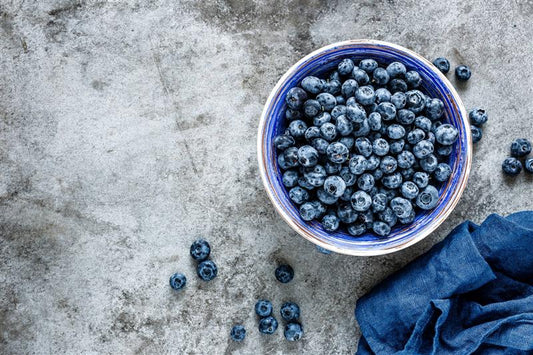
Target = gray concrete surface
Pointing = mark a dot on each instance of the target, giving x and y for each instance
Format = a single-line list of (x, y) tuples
[(127, 130)]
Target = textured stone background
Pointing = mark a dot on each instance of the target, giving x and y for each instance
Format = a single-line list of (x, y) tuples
[(127, 130)]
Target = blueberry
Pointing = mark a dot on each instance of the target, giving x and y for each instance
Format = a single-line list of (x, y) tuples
[(382, 95), (368, 65), (238, 333), (462, 73), (332, 168), (406, 159), (356, 113), (327, 101), (293, 331), (397, 85), (397, 146), (312, 108), (429, 163), (284, 273), (431, 137), (387, 111), (268, 325), (396, 69), (356, 229), (401, 207), (347, 195), (207, 270), (478, 116), (372, 163), (338, 110), (297, 128), (178, 281), (389, 193), (298, 195), (399, 100), (323, 250), (348, 142), (312, 84), (422, 149), (416, 101), (421, 179), (291, 114), (340, 100), (395, 131), (423, 123), (520, 147), (357, 164), (361, 129), (381, 228), (405, 117), (348, 177), (364, 147), (351, 101), (344, 126), (435, 125), (413, 79), (334, 185), (283, 141), (415, 136), (442, 64), (379, 202), (445, 150), (283, 164), (512, 166), (333, 87), (380, 76), (290, 178), (307, 156), (200, 250), (312, 133), (409, 190), (290, 311), (319, 208), (377, 174), (346, 213), (442, 172), (428, 198), (528, 165), (263, 308), (334, 75), (330, 222), (349, 87), (388, 216), (434, 108), (365, 95), (345, 67), (326, 198), (392, 181), (388, 165), (360, 76), (295, 98), (366, 182), (337, 152), (446, 134), (302, 182), (315, 175), (328, 131), (320, 144), (321, 118), (361, 201)]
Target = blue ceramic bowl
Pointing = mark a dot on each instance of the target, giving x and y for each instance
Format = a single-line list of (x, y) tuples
[(273, 123)]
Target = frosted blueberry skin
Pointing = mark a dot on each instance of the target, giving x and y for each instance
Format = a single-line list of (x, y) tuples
[(268, 325), (178, 281), (462, 72), (512, 166), (293, 331)]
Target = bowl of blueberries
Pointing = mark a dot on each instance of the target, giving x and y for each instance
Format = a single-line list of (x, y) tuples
[(364, 147)]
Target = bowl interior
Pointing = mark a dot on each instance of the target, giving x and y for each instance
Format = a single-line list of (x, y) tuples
[(434, 84)]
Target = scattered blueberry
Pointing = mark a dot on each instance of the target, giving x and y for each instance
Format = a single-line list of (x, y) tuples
[(284, 273), (442, 64), (238, 333), (293, 331), (263, 308), (268, 325), (200, 250), (462, 72), (290, 311), (477, 134), (520, 147), (207, 270), (178, 281), (512, 166), (528, 165), (478, 116)]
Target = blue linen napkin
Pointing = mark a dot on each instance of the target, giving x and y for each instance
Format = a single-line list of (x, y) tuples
[(471, 293)]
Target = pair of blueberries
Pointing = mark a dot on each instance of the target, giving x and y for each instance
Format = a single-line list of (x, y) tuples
[(520, 148), (206, 269), (462, 72)]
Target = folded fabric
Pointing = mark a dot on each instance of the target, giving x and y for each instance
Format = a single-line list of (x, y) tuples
[(471, 293)]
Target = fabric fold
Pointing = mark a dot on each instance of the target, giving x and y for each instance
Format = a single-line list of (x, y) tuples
[(471, 292)]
